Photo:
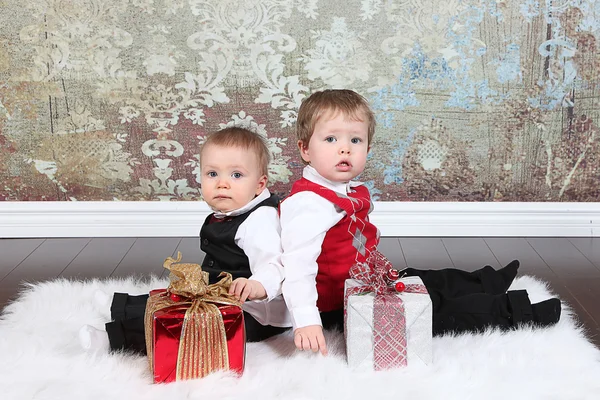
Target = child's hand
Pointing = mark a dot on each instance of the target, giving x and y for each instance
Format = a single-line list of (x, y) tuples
[(310, 338), (247, 289)]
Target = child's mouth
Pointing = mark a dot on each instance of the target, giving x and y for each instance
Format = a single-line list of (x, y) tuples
[(343, 166)]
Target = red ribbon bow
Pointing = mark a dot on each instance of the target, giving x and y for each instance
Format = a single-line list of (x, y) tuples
[(372, 273)]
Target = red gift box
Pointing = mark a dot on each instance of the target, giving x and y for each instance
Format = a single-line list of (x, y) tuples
[(191, 333)]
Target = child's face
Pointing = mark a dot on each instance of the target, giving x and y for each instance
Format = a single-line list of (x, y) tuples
[(338, 147), (230, 177)]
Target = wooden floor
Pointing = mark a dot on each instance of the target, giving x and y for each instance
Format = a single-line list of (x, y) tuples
[(570, 265)]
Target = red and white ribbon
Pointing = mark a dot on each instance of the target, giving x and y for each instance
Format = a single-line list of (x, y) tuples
[(389, 320)]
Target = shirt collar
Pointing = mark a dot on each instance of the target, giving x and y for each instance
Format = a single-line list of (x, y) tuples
[(340, 187), (265, 194)]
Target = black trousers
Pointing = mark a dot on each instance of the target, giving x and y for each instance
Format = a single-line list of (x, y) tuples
[(452, 282), (473, 301), (126, 330), (465, 301)]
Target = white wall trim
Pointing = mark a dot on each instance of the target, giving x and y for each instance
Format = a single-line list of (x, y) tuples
[(145, 219)]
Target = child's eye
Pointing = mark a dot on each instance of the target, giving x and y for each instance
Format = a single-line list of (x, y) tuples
[(330, 139), (212, 174), (237, 175), (356, 140)]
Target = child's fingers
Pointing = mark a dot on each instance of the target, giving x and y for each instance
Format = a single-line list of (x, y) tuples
[(251, 291), (233, 286), (306, 343), (298, 341), (322, 344), (302, 341), (239, 288), (245, 293), (315, 343)]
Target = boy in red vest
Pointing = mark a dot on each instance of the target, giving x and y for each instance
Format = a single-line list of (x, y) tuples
[(325, 229)]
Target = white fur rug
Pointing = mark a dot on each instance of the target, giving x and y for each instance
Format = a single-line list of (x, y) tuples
[(41, 359)]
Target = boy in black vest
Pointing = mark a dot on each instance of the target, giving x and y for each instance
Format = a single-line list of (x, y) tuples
[(241, 237)]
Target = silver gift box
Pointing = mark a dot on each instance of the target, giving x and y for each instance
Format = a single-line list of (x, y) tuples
[(359, 327)]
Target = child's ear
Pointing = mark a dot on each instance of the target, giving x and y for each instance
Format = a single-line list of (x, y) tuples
[(262, 184), (303, 151)]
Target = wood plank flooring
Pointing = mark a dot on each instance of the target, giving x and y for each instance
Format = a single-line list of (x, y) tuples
[(570, 265)]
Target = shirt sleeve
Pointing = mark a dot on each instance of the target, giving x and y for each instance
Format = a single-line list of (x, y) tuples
[(258, 236), (305, 219)]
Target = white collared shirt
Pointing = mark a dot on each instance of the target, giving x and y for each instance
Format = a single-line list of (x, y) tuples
[(305, 219), (259, 237)]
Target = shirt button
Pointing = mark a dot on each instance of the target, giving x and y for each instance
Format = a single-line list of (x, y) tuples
[(205, 242), (211, 263)]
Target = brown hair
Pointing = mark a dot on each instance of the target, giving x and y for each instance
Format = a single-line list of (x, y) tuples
[(236, 136), (346, 101)]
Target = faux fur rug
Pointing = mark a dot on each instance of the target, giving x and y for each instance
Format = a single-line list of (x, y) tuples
[(41, 359)]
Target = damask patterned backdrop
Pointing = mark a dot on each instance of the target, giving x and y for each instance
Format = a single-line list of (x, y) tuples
[(490, 100)]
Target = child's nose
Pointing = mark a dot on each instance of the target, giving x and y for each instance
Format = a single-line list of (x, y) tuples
[(223, 183)]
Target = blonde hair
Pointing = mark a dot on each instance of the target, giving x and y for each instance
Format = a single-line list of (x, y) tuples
[(242, 138), (350, 103)]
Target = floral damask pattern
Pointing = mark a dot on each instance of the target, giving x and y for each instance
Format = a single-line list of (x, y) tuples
[(339, 58), (476, 100)]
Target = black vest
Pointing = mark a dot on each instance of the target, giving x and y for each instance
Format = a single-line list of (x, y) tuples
[(217, 240)]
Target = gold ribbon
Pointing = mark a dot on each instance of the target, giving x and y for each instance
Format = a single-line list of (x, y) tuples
[(203, 340)]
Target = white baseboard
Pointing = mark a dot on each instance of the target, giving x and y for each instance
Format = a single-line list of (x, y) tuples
[(161, 219)]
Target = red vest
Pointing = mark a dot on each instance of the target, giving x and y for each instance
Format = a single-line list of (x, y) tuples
[(348, 242)]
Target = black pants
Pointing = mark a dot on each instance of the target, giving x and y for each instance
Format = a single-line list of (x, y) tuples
[(126, 331), (469, 313), (477, 311), (452, 282), (466, 301)]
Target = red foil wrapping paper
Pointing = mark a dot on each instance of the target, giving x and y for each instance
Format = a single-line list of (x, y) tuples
[(166, 335), (193, 328)]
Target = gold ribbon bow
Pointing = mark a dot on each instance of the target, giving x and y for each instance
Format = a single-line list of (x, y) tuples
[(203, 340)]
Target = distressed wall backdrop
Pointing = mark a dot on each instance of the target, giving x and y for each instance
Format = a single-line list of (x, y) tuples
[(476, 100)]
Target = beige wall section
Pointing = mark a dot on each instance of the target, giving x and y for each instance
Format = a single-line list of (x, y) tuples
[(476, 101)]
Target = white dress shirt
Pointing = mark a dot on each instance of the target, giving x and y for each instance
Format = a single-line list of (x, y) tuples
[(305, 219), (259, 237)]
